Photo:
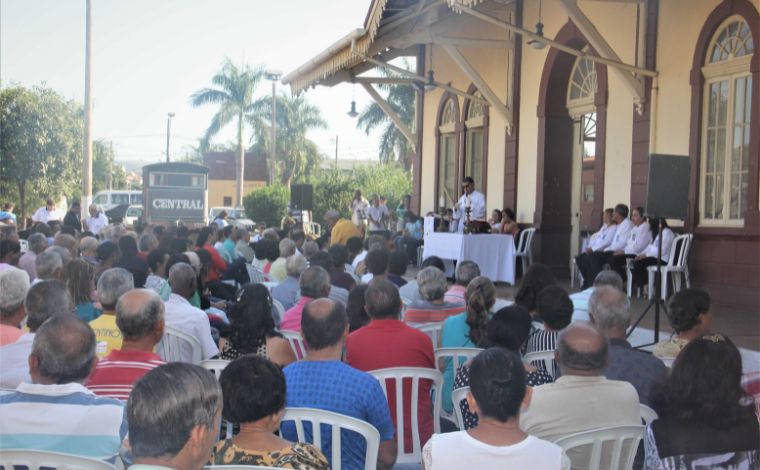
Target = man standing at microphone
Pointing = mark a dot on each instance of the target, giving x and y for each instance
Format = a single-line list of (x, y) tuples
[(472, 203)]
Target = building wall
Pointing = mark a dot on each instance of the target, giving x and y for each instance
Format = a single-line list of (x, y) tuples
[(219, 189)]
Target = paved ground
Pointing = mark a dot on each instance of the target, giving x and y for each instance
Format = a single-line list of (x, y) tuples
[(741, 325)]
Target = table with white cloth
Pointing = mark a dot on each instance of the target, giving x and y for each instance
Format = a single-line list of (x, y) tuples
[(494, 254)]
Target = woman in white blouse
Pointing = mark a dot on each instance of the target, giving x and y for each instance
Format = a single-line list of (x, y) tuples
[(638, 239), (497, 381), (648, 257)]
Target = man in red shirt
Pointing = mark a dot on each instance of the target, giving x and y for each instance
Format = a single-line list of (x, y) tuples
[(389, 342), (140, 317)]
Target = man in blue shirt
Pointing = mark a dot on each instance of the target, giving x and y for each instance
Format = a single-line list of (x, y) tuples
[(7, 215), (322, 381)]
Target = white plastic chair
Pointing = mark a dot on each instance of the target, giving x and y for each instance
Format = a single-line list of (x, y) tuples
[(545, 358), (457, 395), (296, 342), (668, 361), (500, 304), (37, 459), (420, 253), (217, 366), (458, 357), (612, 440), (414, 374), (675, 268), (256, 275), (524, 248), (279, 307), (338, 422), (647, 414), (24, 245), (433, 330), (575, 273), (177, 346)]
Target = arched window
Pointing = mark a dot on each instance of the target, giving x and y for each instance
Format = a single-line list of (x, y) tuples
[(475, 144), (446, 185), (724, 152)]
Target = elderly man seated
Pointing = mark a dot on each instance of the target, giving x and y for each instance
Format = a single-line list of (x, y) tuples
[(14, 284), (184, 317), (340, 229), (580, 300), (173, 415), (37, 244), (43, 300), (88, 250), (610, 311), (314, 284), (582, 399), (410, 291), (112, 284), (48, 265), (56, 412), (286, 292), (278, 272), (466, 271), (323, 260), (140, 318), (323, 381), (432, 285)]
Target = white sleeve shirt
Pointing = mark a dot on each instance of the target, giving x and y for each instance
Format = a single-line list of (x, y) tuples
[(667, 243), (603, 238), (181, 315), (477, 204), (638, 239), (97, 223), (621, 236)]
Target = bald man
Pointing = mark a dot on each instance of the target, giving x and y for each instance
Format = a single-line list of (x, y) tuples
[(140, 318), (582, 399), (323, 381)]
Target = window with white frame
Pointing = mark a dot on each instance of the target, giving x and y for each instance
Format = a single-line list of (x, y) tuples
[(726, 110), (447, 155), (474, 157)]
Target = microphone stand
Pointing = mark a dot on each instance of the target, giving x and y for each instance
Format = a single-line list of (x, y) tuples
[(657, 299)]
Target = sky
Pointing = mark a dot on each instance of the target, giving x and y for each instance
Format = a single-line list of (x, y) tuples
[(149, 56)]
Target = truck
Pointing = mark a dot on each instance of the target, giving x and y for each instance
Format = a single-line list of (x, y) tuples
[(175, 193)]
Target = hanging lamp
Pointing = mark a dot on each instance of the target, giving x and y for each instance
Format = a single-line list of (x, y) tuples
[(535, 43), (352, 112)]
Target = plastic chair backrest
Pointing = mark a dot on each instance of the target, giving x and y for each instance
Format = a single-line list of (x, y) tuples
[(178, 346), (415, 374), (647, 414), (296, 342), (215, 365), (38, 459), (433, 330), (255, 274), (524, 241), (679, 255), (338, 422), (457, 395), (544, 358), (24, 245), (500, 304), (612, 440), (458, 356), (280, 308)]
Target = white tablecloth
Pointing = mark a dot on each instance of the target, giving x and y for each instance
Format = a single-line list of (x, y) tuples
[(495, 254)]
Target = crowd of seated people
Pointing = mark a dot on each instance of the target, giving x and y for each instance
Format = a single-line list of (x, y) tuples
[(83, 316)]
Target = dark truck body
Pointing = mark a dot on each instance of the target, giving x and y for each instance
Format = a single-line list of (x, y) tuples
[(175, 194)]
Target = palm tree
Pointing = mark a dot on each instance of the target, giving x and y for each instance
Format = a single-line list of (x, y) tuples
[(298, 155), (233, 92), (393, 144)]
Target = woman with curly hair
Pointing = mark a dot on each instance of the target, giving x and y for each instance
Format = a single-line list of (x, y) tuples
[(706, 419), (252, 329), (690, 316), (78, 275), (468, 329)]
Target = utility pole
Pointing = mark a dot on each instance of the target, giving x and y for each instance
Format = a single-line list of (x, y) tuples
[(110, 169), (274, 76), (168, 133), (336, 152), (87, 150)]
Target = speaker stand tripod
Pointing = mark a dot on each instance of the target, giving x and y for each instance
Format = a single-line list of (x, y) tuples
[(656, 301)]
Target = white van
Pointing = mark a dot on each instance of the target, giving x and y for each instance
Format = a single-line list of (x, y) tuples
[(107, 200)]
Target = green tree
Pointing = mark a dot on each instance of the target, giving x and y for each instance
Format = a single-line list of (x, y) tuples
[(393, 145), (233, 93), (105, 173), (268, 204), (296, 154), (40, 145)]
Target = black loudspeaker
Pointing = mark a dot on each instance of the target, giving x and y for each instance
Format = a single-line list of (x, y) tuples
[(301, 197), (668, 186)]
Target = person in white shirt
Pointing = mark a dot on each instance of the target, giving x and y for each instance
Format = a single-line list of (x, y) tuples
[(599, 241), (648, 257), (97, 220), (183, 316), (378, 216), (497, 392), (638, 238), (598, 259), (358, 208), (47, 213), (473, 200)]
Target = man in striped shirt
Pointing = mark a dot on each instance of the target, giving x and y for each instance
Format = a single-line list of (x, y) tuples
[(55, 412), (140, 318)]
